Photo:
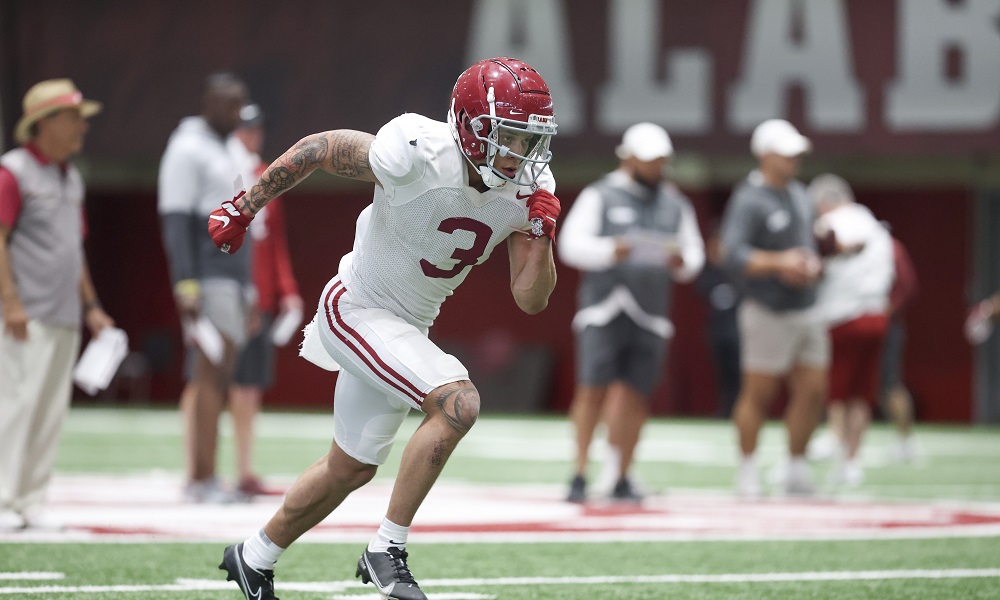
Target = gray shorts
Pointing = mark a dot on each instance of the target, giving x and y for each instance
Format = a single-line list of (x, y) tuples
[(224, 303), (620, 351), (773, 342), (255, 365)]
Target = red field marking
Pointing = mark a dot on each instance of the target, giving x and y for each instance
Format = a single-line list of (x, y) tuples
[(149, 508)]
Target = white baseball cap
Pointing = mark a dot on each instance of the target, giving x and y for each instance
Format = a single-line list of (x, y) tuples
[(778, 136), (646, 142)]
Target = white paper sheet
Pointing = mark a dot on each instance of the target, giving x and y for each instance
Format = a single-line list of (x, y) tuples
[(650, 248), (285, 326), (206, 337), (100, 360)]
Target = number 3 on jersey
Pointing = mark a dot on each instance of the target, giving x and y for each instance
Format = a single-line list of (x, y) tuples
[(466, 257)]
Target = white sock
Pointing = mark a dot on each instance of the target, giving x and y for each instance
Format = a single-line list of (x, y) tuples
[(748, 461), (261, 553), (389, 534)]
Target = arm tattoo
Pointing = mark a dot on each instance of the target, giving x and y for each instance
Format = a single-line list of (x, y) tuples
[(350, 154), (341, 152)]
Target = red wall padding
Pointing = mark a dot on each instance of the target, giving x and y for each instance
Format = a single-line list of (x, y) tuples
[(129, 269)]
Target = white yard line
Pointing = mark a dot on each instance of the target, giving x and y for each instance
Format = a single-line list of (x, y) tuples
[(31, 576), (189, 585)]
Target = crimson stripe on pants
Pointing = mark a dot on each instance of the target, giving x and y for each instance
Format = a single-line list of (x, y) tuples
[(385, 371)]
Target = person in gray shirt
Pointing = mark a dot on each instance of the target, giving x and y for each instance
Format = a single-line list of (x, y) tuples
[(213, 291), (770, 249), (631, 234)]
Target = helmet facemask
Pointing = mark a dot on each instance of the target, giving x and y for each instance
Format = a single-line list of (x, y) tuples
[(500, 134)]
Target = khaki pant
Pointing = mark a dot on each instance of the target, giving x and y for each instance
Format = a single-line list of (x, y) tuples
[(35, 386)]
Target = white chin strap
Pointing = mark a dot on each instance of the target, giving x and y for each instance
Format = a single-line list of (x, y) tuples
[(490, 178)]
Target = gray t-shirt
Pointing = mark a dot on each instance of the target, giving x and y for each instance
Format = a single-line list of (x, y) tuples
[(196, 176), (760, 217)]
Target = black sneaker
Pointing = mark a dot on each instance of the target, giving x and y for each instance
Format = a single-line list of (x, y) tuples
[(255, 585), (577, 489), (625, 491), (388, 571)]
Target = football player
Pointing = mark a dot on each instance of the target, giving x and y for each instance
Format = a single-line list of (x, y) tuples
[(446, 194)]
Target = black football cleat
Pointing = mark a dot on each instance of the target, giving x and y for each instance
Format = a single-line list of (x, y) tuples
[(255, 585), (625, 491), (577, 490), (390, 574)]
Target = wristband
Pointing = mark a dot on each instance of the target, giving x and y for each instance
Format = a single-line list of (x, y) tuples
[(187, 288)]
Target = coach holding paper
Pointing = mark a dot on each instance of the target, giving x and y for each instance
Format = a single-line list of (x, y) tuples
[(44, 287), (769, 246), (197, 168)]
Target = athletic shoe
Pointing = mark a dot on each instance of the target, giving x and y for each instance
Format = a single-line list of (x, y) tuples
[(799, 481), (577, 489), (388, 571), (255, 585), (847, 474), (10, 521), (824, 446), (252, 486), (206, 491), (39, 519), (625, 491)]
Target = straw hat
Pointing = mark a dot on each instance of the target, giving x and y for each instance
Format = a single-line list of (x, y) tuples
[(45, 98)]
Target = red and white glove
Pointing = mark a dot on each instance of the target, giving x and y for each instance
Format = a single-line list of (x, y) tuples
[(228, 226), (543, 210)]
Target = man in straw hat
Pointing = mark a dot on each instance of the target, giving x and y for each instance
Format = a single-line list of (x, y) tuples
[(44, 287)]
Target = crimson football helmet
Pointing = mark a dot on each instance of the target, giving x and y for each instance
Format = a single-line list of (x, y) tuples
[(497, 100)]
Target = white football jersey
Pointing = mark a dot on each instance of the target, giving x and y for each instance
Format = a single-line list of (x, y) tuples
[(426, 227)]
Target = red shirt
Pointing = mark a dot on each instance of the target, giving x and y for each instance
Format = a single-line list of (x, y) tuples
[(272, 264)]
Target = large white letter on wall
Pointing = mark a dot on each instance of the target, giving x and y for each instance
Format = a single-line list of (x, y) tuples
[(633, 93), (923, 97), (820, 62), (537, 32)]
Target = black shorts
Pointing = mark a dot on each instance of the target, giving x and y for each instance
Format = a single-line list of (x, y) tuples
[(620, 351), (255, 364)]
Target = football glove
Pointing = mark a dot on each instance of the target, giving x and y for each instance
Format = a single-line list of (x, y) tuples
[(228, 226), (543, 210)]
